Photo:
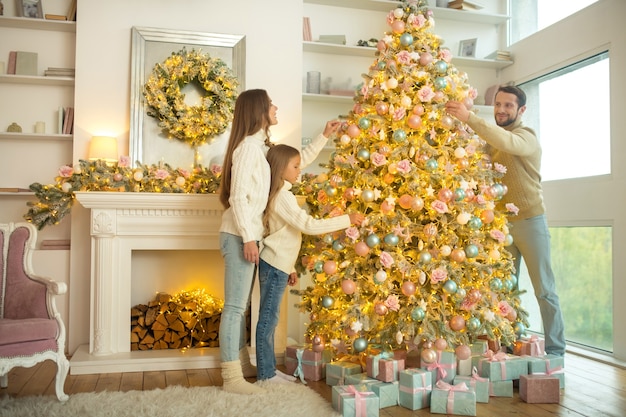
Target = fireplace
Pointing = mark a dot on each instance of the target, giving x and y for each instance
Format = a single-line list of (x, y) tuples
[(125, 222)]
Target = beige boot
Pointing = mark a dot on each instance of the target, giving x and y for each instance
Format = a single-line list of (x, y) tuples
[(249, 370), (234, 382)]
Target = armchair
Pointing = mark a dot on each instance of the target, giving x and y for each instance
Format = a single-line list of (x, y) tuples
[(31, 329)]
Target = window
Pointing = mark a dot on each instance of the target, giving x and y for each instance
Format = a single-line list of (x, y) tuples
[(530, 16), (567, 144), (581, 261)]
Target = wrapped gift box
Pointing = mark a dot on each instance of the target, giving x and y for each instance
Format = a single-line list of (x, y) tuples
[(351, 402), (551, 365), (373, 363), (311, 363), (539, 389), (336, 372), (387, 393), (443, 368), (476, 383), (358, 379), (529, 346), (501, 388), (453, 399), (479, 347), (502, 367), (492, 345), (388, 369), (415, 386)]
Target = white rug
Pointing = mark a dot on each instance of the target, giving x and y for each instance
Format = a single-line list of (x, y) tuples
[(280, 400)]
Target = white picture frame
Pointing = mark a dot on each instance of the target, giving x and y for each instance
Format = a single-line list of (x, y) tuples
[(467, 48), (30, 8)]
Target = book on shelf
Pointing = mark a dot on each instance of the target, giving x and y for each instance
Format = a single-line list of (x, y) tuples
[(306, 29), (14, 190), (26, 63), (71, 12), (500, 55), (59, 72), (61, 118), (51, 16), (68, 120), (55, 244), (11, 67), (464, 5)]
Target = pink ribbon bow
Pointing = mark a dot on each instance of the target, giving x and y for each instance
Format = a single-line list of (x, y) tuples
[(500, 357), (460, 387), (360, 400)]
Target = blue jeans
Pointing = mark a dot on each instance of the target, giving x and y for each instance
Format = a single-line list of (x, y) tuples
[(238, 280), (531, 241), (272, 283)]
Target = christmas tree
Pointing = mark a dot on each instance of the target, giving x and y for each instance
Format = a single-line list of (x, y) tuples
[(430, 263)]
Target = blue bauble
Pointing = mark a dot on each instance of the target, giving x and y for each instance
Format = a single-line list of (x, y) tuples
[(508, 240), (507, 285), (473, 324), (475, 223), (359, 344), (372, 240), (363, 154), (319, 267), (459, 194), (498, 190), (425, 257), (338, 245), (399, 136), (364, 123), (440, 83), (461, 293), (519, 328), (495, 284), (471, 251), (513, 280), (328, 239), (327, 301), (381, 65), (432, 165), (449, 287), (418, 314), (406, 39), (392, 239), (331, 191), (441, 67)]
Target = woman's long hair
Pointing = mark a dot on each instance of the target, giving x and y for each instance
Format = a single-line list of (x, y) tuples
[(278, 157), (251, 115)]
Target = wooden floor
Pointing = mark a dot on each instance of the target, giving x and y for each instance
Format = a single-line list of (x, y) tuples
[(592, 389)]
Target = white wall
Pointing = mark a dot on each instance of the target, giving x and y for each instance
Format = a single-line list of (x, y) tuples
[(601, 200), (102, 92)]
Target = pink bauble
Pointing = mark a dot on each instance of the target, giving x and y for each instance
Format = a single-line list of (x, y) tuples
[(469, 194), (405, 201), (330, 267), (462, 163), (382, 108), (348, 286), (469, 103), (474, 295), (348, 194), (381, 45), (361, 248), (353, 131), (408, 288), (313, 316), (463, 352), (447, 121), (441, 344), (458, 255), (487, 216), (317, 340), (457, 323), (430, 230), (414, 121), (428, 356), (380, 309), (386, 207), (427, 344), (445, 194), (426, 58), (419, 110), (397, 26), (512, 316), (439, 95), (318, 348)]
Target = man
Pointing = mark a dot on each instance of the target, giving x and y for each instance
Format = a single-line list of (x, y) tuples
[(515, 146)]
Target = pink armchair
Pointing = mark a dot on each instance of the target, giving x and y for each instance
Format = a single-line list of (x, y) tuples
[(31, 329)]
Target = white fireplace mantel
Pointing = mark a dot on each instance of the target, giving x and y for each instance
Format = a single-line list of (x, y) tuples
[(123, 222)]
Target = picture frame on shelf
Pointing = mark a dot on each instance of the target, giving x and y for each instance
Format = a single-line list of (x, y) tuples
[(30, 8), (467, 48)]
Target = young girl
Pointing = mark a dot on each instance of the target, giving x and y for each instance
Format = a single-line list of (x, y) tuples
[(285, 221), (244, 191)]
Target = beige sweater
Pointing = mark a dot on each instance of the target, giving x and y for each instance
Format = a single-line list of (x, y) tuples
[(516, 147)]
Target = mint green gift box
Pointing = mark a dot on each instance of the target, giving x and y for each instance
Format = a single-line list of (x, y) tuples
[(453, 399), (387, 393), (336, 372), (415, 388), (503, 367), (476, 383), (362, 378), (552, 365), (352, 402), (501, 388)]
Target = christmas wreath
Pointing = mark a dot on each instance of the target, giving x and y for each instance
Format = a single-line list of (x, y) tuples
[(193, 125)]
